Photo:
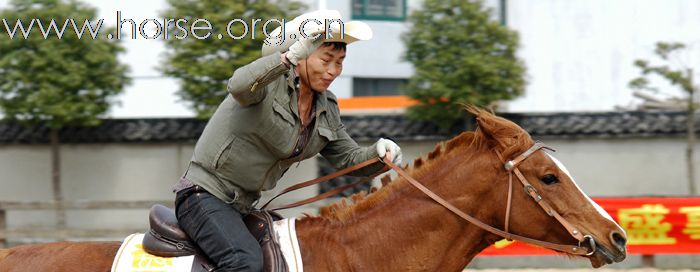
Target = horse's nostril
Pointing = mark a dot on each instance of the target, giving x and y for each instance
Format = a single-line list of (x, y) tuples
[(618, 240)]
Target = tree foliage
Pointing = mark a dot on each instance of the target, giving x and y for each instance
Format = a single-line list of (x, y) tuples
[(57, 81), (460, 56), (675, 75), (204, 66), (678, 74)]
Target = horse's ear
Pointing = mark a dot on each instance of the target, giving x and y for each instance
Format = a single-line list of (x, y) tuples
[(484, 126), (502, 134)]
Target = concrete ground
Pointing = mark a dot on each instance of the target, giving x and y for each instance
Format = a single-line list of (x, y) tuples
[(563, 263), (580, 270)]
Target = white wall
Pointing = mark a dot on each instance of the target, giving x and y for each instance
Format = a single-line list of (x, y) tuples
[(91, 172), (580, 53), (627, 167), (117, 172), (622, 167)]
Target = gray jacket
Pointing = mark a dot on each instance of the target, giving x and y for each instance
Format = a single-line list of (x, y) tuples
[(245, 146)]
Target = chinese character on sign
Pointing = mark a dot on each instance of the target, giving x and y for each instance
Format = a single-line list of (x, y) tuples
[(692, 228), (148, 262), (644, 227)]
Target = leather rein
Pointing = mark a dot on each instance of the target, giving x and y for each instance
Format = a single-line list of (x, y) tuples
[(510, 166)]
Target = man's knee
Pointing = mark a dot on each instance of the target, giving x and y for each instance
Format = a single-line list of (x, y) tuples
[(249, 260), (255, 260)]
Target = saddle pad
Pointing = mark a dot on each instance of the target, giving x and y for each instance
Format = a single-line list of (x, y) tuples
[(287, 236), (132, 258)]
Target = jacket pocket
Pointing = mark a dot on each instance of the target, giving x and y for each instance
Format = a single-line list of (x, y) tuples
[(279, 109), (279, 136), (328, 134), (224, 152)]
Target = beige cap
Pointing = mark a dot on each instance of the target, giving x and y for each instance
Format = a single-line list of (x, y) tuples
[(316, 22)]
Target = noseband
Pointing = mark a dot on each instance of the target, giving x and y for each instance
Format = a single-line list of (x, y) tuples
[(511, 167)]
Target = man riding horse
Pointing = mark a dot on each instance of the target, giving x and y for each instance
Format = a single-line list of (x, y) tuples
[(279, 112)]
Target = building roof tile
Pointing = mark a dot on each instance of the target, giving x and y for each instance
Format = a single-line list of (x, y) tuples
[(371, 127)]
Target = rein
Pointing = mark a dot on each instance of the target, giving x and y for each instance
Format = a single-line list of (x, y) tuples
[(511, 166), (326, 178)]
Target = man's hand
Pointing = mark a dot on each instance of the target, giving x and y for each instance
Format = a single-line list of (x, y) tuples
[(304, 47), (384, 145)]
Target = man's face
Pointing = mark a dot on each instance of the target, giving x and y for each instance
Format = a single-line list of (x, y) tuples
[(323, 66)]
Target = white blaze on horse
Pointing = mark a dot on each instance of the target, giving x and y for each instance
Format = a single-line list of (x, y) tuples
[(401, 228)]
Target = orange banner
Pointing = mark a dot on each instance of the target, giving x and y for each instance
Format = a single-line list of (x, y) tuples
[(654, 225)]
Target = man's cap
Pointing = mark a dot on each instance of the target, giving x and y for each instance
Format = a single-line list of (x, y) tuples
[(316, 22)]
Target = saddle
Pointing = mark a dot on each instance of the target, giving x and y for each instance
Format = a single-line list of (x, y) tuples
[(166, 239)]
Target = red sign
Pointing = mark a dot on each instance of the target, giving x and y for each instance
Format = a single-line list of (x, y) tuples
[(658, 225)]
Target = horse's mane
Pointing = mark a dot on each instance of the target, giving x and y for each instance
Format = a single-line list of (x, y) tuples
[(492, 131)]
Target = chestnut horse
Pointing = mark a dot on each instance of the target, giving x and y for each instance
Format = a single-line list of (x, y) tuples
[(398, 228)]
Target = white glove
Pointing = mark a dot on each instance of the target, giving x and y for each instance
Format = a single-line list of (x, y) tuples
[(384, 145), (304, 47)]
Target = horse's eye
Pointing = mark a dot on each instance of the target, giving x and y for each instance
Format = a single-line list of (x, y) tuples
[(549, 179)]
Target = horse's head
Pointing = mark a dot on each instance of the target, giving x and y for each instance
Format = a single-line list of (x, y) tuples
[(555, 185)]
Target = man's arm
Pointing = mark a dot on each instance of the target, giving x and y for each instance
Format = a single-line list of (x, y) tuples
[(344, 152), (247, 85)]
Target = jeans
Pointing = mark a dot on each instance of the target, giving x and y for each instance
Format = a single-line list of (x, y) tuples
[(218, 229)]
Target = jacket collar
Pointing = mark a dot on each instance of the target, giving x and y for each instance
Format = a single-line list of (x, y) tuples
[(293, 81)]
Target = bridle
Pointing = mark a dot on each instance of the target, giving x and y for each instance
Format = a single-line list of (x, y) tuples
[(511, 166)]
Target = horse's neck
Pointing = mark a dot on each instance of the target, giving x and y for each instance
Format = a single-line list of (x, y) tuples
[(404, 229)]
